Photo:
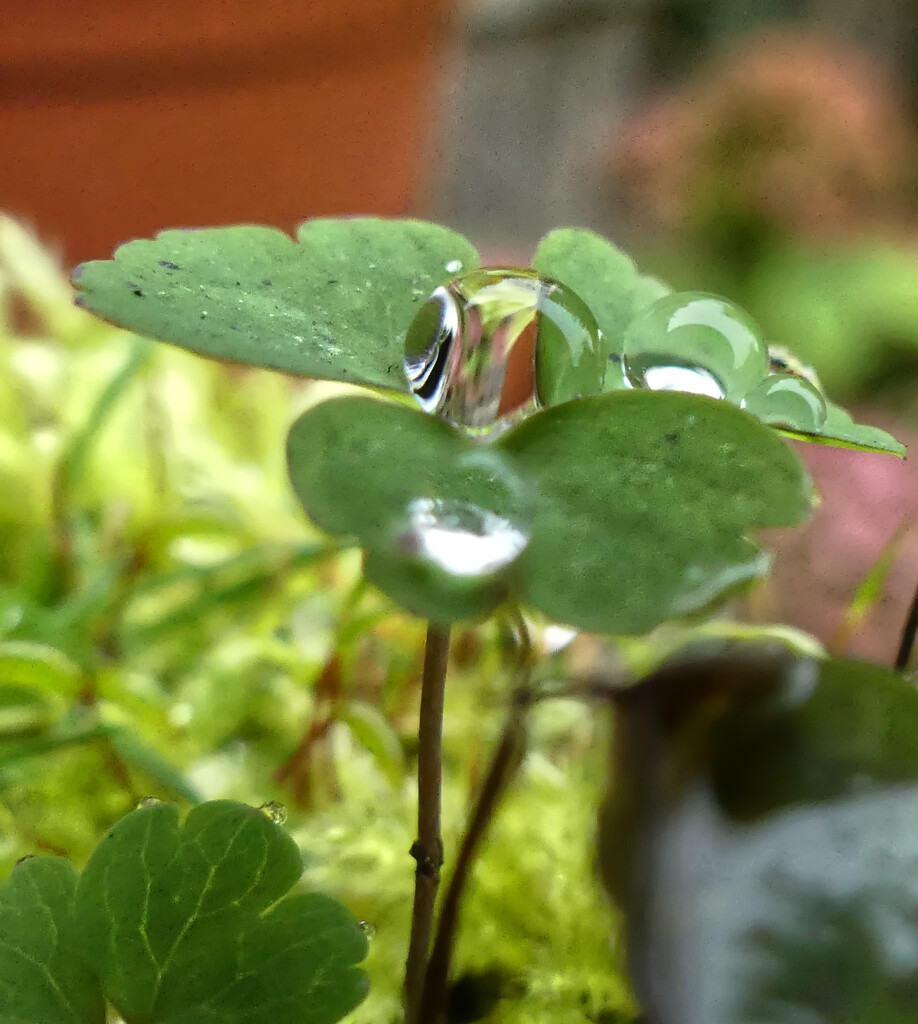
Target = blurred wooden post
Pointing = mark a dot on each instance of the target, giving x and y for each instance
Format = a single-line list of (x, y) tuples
[(119, 118)]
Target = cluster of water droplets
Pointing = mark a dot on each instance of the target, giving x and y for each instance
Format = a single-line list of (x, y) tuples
[(699, 343), (484, 351)]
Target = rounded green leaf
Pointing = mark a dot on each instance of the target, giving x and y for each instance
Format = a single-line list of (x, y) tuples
[(771, 876), (402, 484), (43, 976), (335, 305), (645, 500), (603, 276), (194, 923)]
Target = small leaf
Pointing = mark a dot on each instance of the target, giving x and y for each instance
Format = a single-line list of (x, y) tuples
[(43, 977), (335, 306), (761, 838), (194, 924), (645, 498), (841, 431), (603, 276)]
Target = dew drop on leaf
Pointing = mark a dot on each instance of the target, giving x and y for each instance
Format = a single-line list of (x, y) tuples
[(460, 538), (788, 400), (147, 801), (690, 341), (274, 810), (494, 345)]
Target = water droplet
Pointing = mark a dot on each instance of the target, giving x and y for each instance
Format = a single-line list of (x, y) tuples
[(781, 360), (615, 374), (275, 810), (368, 928), (786, 400), (460, 538), (690, 341), (146, 802), (495, 345)]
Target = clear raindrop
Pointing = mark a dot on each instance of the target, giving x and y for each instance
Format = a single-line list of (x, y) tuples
[(460, 538), (690, 341), (494, 345), (147, 801), (275, 810), (786, 400)]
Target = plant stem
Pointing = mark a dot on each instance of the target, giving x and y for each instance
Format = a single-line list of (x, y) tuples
[(908, 636), (428, 847), (507, 757)]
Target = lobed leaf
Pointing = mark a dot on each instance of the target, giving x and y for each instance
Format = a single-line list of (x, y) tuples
[(193, 923), (335, 304), (43, 978)]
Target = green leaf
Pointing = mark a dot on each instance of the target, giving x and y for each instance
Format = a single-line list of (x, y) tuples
[(335, 306), (139, 754), (193, 924), (358, 463), (636, 502), (771, 875), (841, 431), (42, 668), (43, 977), (646, 498), (603, 276), (373, 731)]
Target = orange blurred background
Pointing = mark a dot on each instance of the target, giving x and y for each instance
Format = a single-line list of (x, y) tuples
[(121, 118)]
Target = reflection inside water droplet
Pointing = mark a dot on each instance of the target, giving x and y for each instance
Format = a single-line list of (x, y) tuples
[(460, 538), (275, 810), (690, 341), (786, 400), (147, 801), (693, 379), (494, 345)]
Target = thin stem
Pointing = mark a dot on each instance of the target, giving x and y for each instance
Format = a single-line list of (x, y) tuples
[(428, 847), (908, 636), (507, 758)]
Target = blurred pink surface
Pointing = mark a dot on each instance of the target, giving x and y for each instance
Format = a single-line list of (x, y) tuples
[(865, 499)]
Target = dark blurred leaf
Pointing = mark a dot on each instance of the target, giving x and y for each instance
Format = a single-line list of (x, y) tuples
[(761, 837)]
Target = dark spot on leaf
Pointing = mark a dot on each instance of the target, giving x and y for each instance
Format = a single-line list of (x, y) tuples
[(169, 265), (672, 436), (265, 284), (138, 292), (330, 281)]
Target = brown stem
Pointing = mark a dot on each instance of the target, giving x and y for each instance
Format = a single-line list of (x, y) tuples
[(506, 759), (428, 847), (909, 630)]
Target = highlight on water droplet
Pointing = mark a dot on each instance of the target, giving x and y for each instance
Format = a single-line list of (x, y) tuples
[(786, 400), (691, 341), (275, 810), (147, 801), (495, 345), (460, 538)]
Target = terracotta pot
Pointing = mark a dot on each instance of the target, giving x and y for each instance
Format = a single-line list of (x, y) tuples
[(120, 118)]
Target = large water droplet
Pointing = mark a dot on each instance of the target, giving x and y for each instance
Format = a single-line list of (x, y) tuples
[(495, 345), (781, 360), (786, 400), (460, 538), (690, 341)]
